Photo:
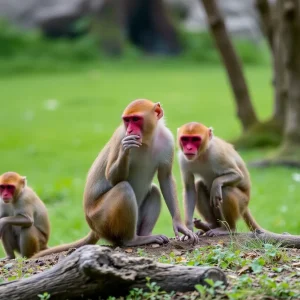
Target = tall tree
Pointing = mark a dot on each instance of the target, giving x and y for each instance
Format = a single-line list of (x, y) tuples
[(245, 109), (280, 21), (290, 36)]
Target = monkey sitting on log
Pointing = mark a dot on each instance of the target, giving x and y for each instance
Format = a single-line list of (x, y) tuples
[(121, 203), (24, 223), (216, 181)]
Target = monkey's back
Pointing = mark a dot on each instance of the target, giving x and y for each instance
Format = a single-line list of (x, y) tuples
[(230, 158)]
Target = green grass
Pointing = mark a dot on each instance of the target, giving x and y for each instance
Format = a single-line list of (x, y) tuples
[(55, 148)]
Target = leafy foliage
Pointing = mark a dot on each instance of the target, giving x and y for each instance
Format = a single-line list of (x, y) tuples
[(27, 51)]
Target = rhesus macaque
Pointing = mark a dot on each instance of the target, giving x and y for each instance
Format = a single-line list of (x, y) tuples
[(215, 180), (121, 203), (24, 223)]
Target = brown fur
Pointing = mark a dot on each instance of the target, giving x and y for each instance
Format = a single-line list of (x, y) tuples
[(221, 169), (24, 220), (120, 200)]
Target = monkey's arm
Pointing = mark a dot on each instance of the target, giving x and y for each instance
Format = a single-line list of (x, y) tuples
[(168, 188), (117, 168), (18, 220), (231, 178), (189, 195)]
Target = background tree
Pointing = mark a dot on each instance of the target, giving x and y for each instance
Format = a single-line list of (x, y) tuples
[(245, 109), (280, 21)]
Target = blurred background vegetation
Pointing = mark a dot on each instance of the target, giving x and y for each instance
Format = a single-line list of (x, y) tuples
[(63, 91)]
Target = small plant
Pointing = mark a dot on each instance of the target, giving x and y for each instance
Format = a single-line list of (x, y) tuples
[(153, 293), (44, 296), (19, 267), (209, 292), (141, 252)]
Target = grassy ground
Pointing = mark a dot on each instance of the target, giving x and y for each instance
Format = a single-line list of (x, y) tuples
[(53, 126)]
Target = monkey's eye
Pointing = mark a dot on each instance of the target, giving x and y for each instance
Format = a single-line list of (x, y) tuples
[(10, 188), (184, 138), (126, 120), (135, 119), (196, 139)]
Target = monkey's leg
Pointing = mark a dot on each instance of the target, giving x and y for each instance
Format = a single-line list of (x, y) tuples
[(149, 212), (229, 210), (10, 242), (115, 215), (29, 241), (205, 210)]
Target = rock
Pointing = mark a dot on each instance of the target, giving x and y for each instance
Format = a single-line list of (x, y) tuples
[(8, 266)]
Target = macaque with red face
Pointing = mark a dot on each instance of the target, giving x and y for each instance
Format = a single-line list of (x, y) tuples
[(216, 181), (121, 203), (24, 223)]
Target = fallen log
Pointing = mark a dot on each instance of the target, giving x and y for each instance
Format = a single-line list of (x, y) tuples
[(94, 272), (284, 240)]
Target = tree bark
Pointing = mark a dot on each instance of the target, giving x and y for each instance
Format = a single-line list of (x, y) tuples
[(272, 27), (245, 109), (94, 271), (266, 19), (285, 240), (290, 13)]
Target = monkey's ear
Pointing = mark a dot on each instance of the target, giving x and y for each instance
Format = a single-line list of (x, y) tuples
[(158, 110), (24, 181), (210, 132)]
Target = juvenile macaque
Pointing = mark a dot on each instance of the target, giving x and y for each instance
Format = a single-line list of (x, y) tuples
[(24, 223), (121, 203), (215, 180)]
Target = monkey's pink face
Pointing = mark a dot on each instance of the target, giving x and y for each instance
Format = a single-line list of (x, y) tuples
[(7, 192), (134, 125), (190, 145)]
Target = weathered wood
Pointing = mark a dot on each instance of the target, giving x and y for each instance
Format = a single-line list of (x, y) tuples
[(94, 271), (285, 240)]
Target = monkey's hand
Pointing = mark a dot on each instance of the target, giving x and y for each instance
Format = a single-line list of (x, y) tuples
[(187, 233), (216, 195), (130, 141)]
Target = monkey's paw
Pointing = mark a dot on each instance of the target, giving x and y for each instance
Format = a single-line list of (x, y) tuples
[(217, 232)]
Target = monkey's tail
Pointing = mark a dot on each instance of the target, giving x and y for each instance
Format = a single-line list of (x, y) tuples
[(250, 221), (91, 239)]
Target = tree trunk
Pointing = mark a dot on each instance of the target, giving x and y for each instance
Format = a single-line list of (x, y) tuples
[(272, 27), (270, 132), (289, 44), (245, 109), (291, 37), (266, 19), (94, 272)]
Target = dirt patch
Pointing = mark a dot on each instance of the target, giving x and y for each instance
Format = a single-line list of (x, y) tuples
[(285, 264)]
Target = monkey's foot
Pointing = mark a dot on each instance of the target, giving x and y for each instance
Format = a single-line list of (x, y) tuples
[(217, 232), (149, 239), (204, 226), (200, 232)]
